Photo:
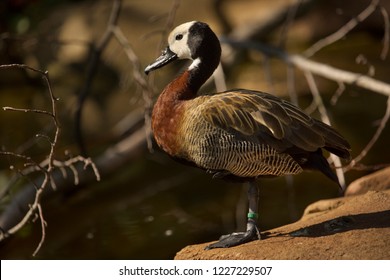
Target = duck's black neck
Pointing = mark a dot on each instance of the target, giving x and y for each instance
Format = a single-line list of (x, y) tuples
[(206, 52), (200, 72)]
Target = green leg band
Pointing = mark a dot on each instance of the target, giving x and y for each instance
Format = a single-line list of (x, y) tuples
[(252, 215)]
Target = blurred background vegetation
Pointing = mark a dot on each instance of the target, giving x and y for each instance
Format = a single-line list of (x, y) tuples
[(146, 206)]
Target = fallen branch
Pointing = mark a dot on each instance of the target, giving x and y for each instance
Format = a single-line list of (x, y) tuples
[(332, 73)]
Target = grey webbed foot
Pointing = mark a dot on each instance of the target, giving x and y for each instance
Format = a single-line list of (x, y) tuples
[(237, 238)]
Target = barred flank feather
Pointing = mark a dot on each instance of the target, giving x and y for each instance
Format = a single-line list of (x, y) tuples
[(215, 149)]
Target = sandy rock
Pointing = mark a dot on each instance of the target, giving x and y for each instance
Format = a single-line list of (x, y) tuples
[(379, 180), (322, 206), (356, 227)]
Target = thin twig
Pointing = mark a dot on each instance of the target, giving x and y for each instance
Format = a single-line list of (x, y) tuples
[(317, 97), (30, 212), (70, 163), (26, 158), (43, 227), (338, 93), (386, 35), (374, 138), (7, 108), (22, 66), (364, 167)]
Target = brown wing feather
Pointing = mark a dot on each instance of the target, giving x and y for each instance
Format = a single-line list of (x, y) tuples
[(251, 134), (277, 122)]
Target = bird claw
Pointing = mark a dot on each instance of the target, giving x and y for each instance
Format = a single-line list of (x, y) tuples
[(236, 238)]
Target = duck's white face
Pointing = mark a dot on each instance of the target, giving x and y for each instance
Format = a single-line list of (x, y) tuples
[(178, 40), (186, 42)]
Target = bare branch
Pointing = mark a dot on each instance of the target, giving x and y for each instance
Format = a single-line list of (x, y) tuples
[(23, 66), (70, 163), (386, 36), (317, 68), (340, 76), (27, 111), (46, 167), (43, 226), (317, 97), (338, 93), (373, 140), (30, 212)]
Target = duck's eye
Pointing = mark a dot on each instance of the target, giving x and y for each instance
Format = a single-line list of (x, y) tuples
[(179, 37)]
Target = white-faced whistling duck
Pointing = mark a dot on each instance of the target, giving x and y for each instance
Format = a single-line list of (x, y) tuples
[(236, 134)]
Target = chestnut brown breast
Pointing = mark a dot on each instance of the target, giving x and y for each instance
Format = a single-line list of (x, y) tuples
[(167, 115)]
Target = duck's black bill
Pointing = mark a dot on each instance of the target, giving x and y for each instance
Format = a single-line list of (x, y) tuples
[(166, 57)]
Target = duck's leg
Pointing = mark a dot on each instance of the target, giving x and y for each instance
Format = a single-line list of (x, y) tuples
[(252, 232)]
